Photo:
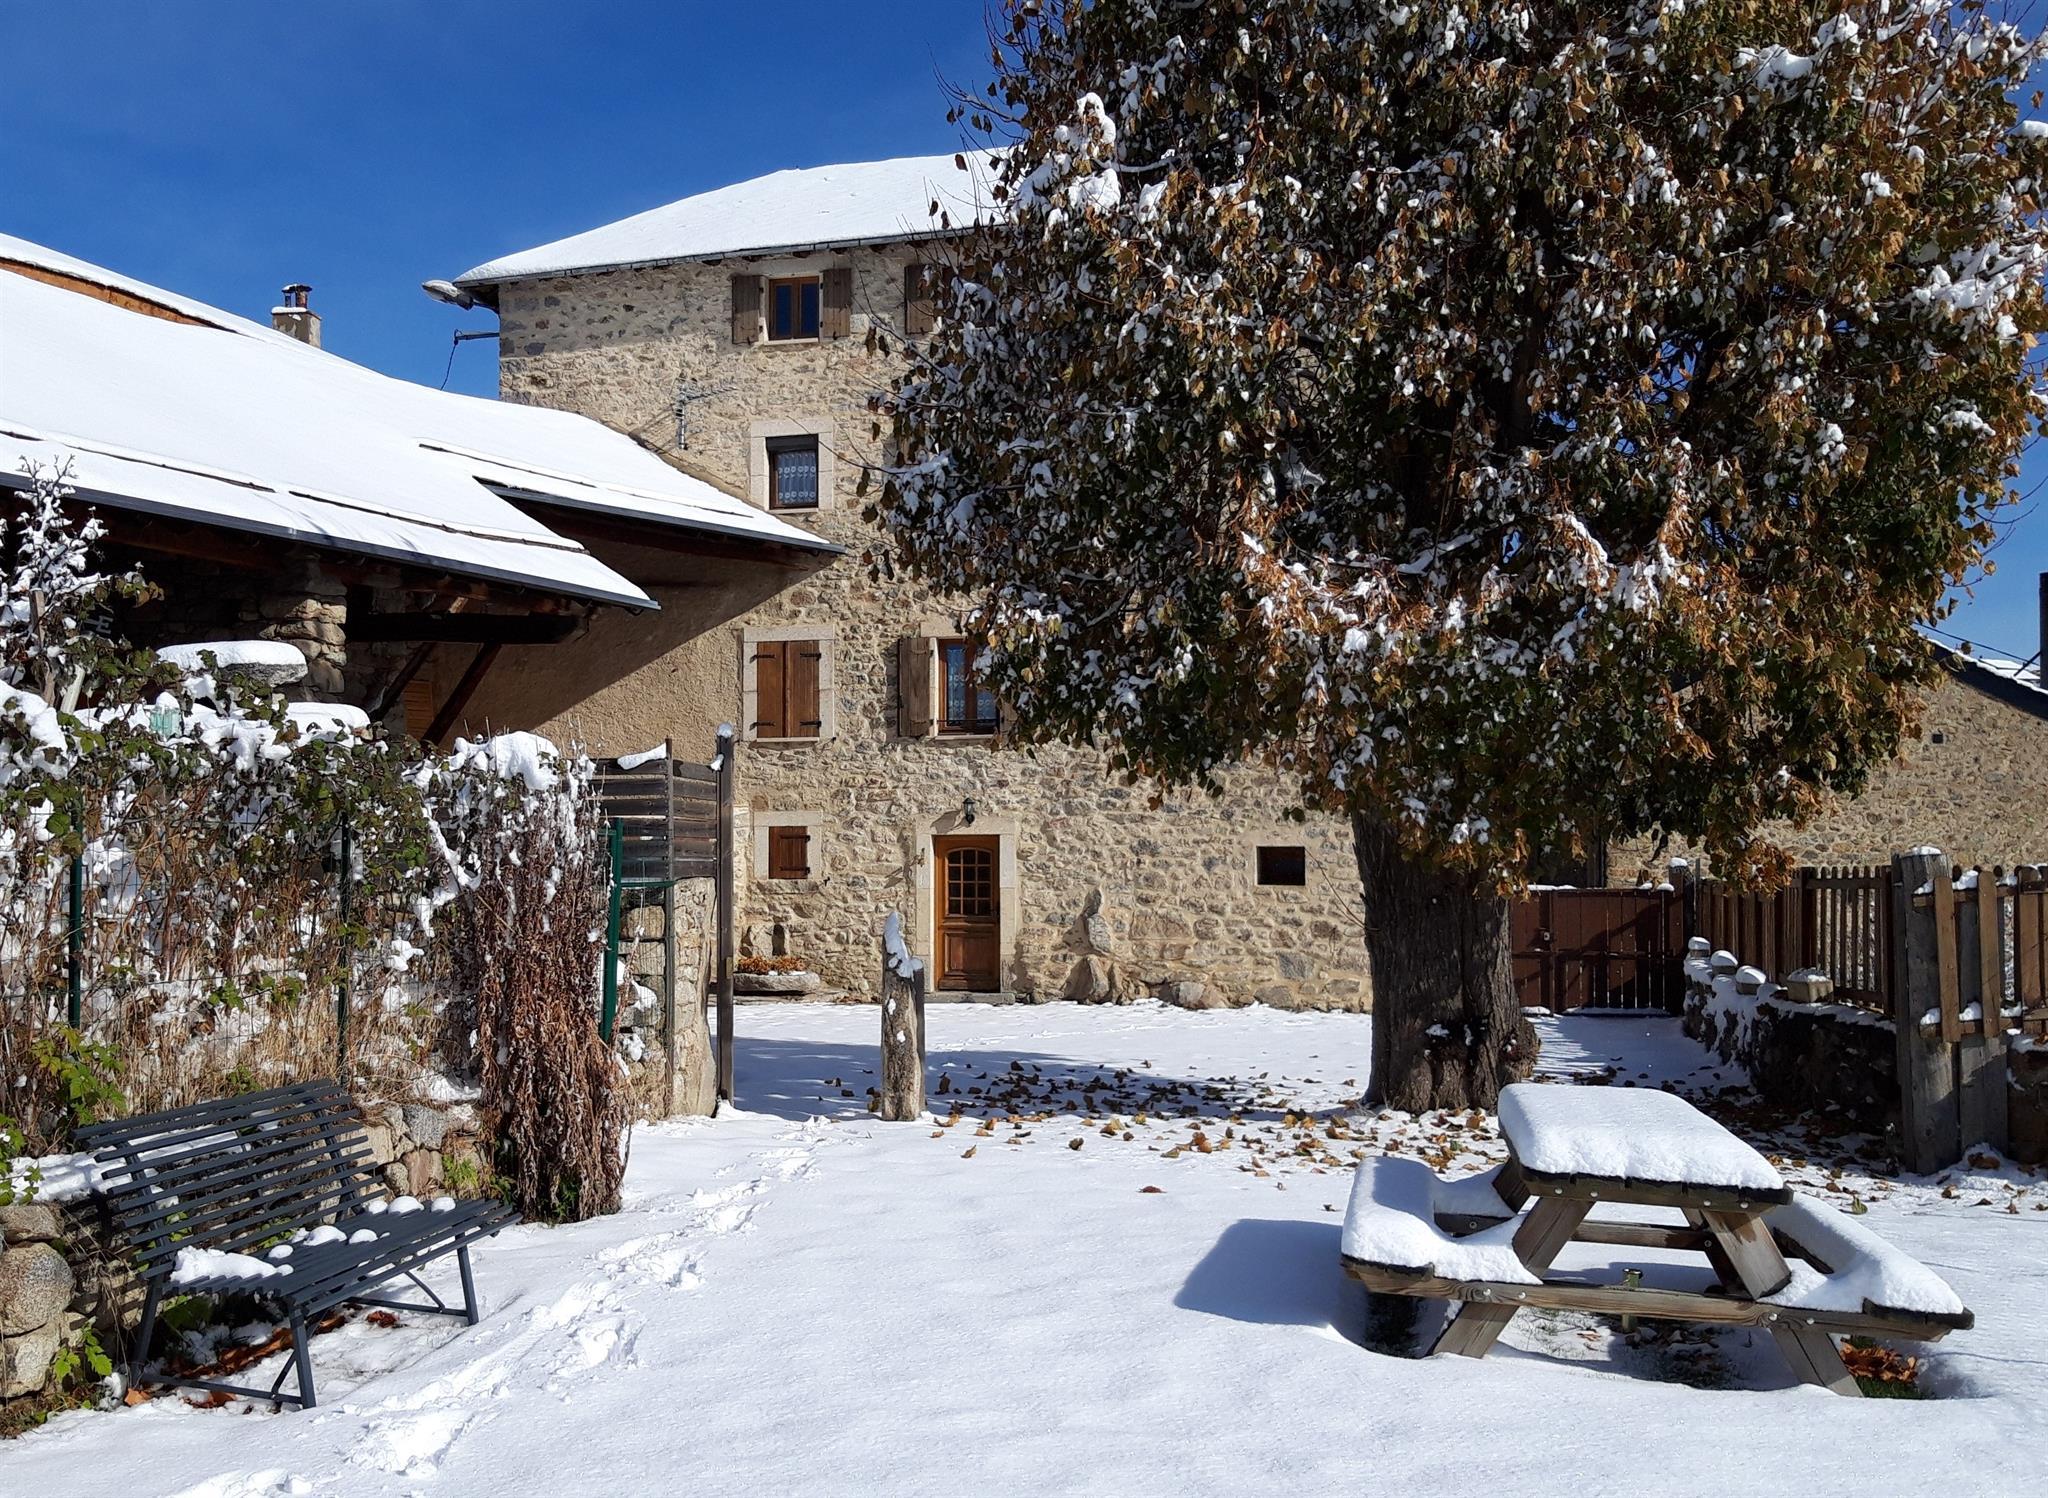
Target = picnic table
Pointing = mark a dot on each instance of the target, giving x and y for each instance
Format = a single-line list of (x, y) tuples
[(1675, 1181)]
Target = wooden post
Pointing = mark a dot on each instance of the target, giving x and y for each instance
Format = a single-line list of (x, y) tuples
[(902, 1091), (725, 915), (1928, 1135), (1980, 1048), (670, 1058)]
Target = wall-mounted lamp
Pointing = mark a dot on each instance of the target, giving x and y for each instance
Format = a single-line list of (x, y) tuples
[(967, 812)]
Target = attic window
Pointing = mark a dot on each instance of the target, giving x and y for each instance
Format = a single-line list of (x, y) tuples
[(793, 308), (1285, 864)]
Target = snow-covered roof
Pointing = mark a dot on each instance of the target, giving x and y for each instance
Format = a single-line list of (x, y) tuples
[(2015, 682), (178, 409), (807, 208)]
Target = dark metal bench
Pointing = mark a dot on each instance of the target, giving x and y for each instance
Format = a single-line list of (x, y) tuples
[(285, 1178)]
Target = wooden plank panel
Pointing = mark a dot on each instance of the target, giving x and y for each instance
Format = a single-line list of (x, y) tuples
[(1990, 951), (1945, 955)]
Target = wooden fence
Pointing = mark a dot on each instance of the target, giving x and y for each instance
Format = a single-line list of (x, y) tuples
[(1833, 919), (1599, 948), (677, 821), (1971, 969), (1956, 959)]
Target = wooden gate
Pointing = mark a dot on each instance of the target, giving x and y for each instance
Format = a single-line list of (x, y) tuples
[(1599, 948)]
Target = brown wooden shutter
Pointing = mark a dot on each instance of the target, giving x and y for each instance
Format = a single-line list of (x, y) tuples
[(914, 686), (835, 318), (789, 853), (746, 308), (918, 311), (801, 703), (770, 717)]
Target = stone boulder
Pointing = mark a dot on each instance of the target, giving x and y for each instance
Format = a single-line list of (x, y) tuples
[(25, 1359), (35, 1287), (28, 1222), (1193, 993), (776, 983), (1092, 931), (1095, 980)]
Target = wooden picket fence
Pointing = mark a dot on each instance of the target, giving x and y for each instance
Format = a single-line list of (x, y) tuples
[(1834, 919), (1991, 949)]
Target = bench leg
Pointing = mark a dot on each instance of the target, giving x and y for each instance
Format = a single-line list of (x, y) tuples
[(1473, 1331), (468, 1285), (1814, 1358), (1541, 1237), (145, 1330), (302, 1357)]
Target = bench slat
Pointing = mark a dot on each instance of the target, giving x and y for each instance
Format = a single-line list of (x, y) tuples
[(259, 1158), (143, 1126)]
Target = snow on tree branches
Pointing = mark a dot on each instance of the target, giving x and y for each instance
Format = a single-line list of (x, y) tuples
[(1513, 420)]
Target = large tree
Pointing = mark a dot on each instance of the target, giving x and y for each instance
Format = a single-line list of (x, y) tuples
[(1518, 423)]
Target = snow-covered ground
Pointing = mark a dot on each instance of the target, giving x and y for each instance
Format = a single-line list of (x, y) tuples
[(1114, 1272)]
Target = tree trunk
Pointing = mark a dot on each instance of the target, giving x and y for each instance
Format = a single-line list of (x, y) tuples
[(1447, 1029)]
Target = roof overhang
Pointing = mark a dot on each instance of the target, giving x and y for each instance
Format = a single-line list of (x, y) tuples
[(314, 540)]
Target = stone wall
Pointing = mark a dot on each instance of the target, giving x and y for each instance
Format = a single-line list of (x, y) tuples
[(299, 605), (37, 1289), (1828, 1059), (1974, 784), (1172, 884)]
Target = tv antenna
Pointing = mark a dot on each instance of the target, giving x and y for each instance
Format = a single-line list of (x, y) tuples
[(688, 395)]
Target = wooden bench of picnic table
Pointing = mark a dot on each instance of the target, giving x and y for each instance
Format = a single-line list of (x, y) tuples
[(1795, 1267), (273, 1193)]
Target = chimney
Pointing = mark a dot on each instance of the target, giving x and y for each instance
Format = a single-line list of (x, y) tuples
[(295, 317), (2041, 659)]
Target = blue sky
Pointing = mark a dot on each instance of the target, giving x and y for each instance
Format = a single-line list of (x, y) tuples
[(224, 147)]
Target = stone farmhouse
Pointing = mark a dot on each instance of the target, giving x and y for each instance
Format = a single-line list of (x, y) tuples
[(729, 333)]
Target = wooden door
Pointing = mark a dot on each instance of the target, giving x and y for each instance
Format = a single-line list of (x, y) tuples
[(968, 914)]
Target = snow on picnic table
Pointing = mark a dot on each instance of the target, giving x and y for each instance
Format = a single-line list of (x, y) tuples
[(1623, 1134), (800, 1299)]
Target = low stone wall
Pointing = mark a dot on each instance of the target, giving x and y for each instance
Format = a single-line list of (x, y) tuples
[(1809, 1058), (37, 1294)]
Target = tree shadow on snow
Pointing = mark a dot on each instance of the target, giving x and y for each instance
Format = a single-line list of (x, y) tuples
[(1281, 1272), (801, 1079)]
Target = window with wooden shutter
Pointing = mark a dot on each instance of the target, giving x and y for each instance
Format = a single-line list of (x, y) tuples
[(837, 321), (786, 699), (792, 308), (914, 686), (919, 313), (746, 308), (789, 852), (965, 705)]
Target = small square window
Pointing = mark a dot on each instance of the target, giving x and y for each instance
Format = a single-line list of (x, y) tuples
[(1283, 864), (789, 853), (792, 473), (793, 308)]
